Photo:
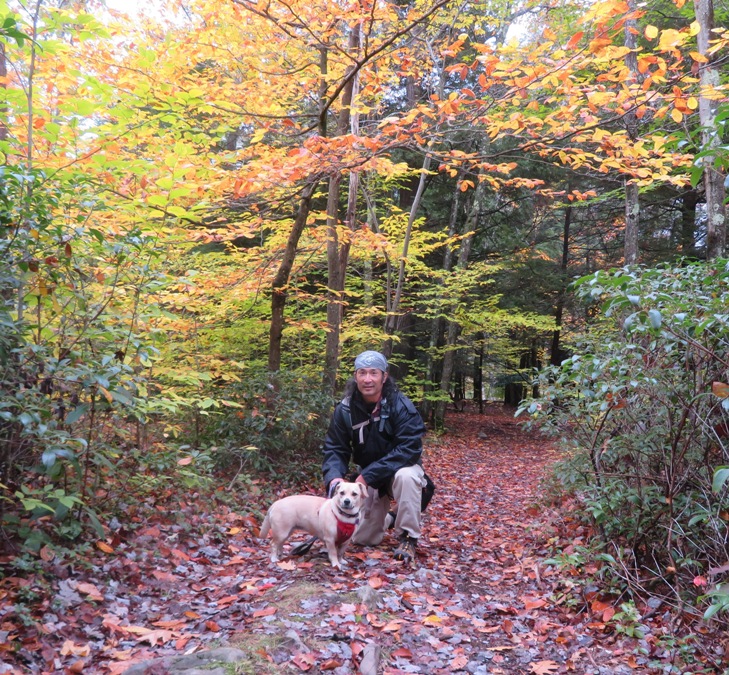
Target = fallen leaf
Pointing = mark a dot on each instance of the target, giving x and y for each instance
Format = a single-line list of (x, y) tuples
[(459, 662), (331, 664), (175, 623), (159, 636), (459, 613), (70, 648), (268, 611), (47, 553), (533, 603), (286, 565), (103, 546), (304, 661), (90, 590), (543, 667), (165, 576)]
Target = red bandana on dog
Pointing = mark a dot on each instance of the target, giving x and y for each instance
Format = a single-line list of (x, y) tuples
[(344, 531)]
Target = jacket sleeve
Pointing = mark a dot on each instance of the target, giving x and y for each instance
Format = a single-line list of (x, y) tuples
[(408, 429), (337, 447)]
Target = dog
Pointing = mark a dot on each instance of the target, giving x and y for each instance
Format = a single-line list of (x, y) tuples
[(331, 520)]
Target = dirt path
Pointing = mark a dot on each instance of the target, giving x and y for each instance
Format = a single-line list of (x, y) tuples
[(479, 600)]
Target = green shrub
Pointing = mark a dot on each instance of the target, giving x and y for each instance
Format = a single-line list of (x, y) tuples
[(280, 425), (643, 407), (72, 361)]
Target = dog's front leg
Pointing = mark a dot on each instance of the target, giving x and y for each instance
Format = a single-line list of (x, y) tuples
[(333, 557), (341, 550)]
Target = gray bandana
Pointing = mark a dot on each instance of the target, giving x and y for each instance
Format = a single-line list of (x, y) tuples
[(370, 359)]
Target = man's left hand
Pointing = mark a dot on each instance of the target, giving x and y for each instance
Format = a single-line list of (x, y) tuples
[(361, 480)]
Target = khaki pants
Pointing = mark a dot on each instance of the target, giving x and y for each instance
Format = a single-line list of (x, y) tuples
[(406, 488)]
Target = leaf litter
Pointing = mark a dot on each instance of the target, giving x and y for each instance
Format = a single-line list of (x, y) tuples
[(479, 598)]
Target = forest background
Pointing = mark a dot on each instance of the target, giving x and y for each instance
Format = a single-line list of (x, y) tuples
[(208, 209)]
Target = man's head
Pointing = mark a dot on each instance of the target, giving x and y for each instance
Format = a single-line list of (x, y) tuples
[(370, 374)]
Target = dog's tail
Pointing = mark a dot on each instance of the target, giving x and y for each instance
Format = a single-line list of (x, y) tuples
[(265, 527)]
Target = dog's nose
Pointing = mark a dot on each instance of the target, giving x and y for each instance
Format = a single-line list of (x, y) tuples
[(347, 502)]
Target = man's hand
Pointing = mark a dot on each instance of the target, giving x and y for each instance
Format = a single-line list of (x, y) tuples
[(361, 480), (333, 486)]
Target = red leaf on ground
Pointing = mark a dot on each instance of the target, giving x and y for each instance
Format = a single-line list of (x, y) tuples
[(304, 661)]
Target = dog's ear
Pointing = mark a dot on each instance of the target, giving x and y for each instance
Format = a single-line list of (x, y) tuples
[(363, 490)]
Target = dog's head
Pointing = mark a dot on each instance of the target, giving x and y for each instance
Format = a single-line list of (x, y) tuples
[(349, 497)]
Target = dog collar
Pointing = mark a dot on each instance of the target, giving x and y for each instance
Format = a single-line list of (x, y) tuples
[(348, 515)]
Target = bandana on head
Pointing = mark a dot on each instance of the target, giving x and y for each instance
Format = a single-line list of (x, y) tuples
[(371, 359)]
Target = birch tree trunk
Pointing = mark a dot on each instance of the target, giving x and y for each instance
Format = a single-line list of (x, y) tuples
[(710, 140), (632, 205)]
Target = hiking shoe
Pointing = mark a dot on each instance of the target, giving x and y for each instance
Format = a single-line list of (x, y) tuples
[(405, 550), (390, 520)]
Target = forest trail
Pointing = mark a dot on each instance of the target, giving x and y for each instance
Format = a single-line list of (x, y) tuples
[(478, 600)]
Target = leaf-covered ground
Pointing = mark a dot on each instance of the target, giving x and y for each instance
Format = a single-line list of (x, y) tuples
[(479, 599)]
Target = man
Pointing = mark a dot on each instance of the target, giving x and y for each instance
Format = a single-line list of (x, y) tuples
[(380, 429)]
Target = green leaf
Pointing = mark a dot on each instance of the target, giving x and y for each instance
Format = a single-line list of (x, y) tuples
[(76, 414), (654, 316), (721, 475), (95, 523)]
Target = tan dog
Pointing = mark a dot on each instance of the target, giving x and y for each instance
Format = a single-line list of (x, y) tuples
[(332, 520)]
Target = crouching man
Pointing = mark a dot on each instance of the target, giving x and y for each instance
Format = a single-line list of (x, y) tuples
[(379, 429)]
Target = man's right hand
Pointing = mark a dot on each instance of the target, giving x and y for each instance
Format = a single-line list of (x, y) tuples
[(333, 486)]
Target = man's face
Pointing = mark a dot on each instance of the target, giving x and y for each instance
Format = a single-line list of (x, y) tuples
[(369, 382)]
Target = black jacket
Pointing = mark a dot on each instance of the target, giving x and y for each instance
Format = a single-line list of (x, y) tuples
[(391, 440)]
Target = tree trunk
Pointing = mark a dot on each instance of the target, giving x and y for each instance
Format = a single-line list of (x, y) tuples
[(391, 323), (453, 326), (555, 354), (689, 199), (632, 217), (338, 248), (437, 325), (710, 138), (478, 372), (278, 287), (3, 85), (632, 205)]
